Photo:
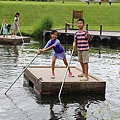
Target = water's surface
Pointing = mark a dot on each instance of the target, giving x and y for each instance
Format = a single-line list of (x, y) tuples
[(22, 103)]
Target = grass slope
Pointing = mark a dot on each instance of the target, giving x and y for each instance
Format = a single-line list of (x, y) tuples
[(60, 13)]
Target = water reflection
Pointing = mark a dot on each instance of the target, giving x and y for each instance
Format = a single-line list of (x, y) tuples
[(10, 50), (74, 104), (25, 104)]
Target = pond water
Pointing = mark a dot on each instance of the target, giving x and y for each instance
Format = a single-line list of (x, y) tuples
[(23, 103)]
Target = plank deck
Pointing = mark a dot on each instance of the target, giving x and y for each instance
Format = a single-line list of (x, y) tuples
[(92, 32), (47, 85), (17, 40)]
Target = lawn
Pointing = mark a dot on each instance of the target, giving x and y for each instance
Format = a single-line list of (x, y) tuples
[(94, 14)]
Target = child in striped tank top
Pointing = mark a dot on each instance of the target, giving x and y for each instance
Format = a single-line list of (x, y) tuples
[(81, 38)]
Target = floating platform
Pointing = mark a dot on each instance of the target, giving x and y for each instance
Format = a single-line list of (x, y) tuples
[(40, 78), (17, 40)]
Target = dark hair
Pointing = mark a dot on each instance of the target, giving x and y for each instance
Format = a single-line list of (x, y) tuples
[(17, 13), (53, 31), (81, 20), (9, 25)]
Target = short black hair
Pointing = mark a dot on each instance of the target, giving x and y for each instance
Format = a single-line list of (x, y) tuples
[(17, 13), (81, 20), (53, 31), (9, 25)]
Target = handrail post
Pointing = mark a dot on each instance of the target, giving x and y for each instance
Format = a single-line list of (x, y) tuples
[(65, 27), (87, 27), (100, 29)]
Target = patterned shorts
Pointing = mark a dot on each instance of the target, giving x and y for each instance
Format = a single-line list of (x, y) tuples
[(60, 56)]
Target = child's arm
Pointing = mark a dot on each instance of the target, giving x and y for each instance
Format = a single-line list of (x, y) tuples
[(48, 48), (45, 49), (89, 37), (3, 22)]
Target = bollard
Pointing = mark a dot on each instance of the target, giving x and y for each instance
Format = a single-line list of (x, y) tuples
[(100, 29)]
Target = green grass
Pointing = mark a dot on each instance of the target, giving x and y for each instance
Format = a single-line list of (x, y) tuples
[(60, 13)]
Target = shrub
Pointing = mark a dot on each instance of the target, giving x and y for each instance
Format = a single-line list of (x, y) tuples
[(42, 24)]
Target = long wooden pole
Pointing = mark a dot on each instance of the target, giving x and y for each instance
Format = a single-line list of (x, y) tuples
[(20, 74), (1, 28), (65, 74), (20, 34)]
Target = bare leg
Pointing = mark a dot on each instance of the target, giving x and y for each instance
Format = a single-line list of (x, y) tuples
[(14, 32), (66, 63), (6, 35), (82, 65), (53, 64), (86, 70)]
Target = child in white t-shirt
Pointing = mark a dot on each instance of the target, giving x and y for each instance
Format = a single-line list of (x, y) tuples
[(16, 23)]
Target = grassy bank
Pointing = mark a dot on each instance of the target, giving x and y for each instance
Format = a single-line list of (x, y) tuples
[(60, 13)]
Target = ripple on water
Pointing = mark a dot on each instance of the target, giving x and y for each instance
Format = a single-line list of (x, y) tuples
[(24, 104)]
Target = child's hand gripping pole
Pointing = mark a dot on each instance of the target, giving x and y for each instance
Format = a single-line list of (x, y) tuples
[(41, 51)]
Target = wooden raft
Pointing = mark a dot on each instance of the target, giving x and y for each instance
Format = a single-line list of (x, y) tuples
[(17, 40), (40, 77)]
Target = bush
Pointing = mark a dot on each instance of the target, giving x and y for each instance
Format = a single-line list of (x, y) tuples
[(43, 24)]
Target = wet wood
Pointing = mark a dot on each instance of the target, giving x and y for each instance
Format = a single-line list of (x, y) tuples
[(17, 40), (40, 76)]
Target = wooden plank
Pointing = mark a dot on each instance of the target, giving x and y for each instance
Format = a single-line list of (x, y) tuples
[(16, 40)]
